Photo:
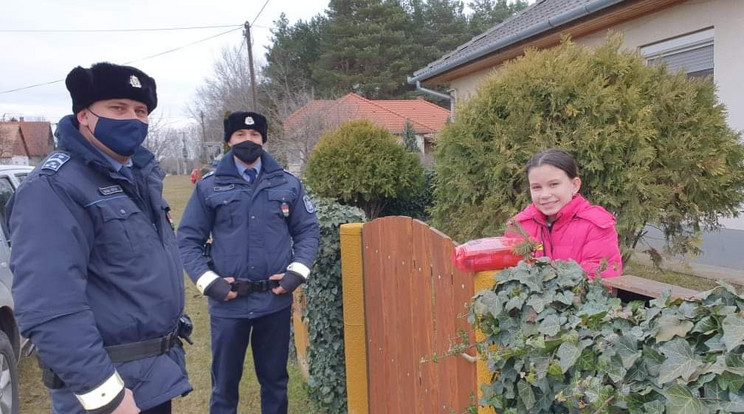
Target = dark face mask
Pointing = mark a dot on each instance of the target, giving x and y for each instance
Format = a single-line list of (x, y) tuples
[(123, 136), (247, 151)]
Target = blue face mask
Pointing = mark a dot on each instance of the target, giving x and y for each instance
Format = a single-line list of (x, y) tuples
[(123, 136)]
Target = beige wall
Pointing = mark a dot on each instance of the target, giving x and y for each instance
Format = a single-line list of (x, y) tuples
[(725, 16)]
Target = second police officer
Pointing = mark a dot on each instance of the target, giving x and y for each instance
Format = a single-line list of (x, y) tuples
[(264, 240)]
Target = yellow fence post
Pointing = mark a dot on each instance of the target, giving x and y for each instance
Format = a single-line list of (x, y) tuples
[(483, 280), (355, 338), (300, 331)]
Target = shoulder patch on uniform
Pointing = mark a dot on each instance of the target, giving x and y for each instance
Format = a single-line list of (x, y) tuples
[(309, 207), (112, 189), (55, 161), (224, 187)]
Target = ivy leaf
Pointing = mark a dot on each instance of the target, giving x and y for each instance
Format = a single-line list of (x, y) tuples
[(681, 362), (568, 354), (550, 325), (706, 326), (653, 407), (730, 381), (735, 364), (681, 401), (538, 302), (733, 331), (526, 394), (488, 302), (671, 326), (532, 279), (732, 403), (626, 348), (715, 343), (514, 303)]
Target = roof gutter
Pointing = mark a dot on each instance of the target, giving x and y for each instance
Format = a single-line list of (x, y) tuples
[(553, 22), (438, 95)]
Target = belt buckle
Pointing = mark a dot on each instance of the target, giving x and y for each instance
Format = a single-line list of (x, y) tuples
[(263, 285)]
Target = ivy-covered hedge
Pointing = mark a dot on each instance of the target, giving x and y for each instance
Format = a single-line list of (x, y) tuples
[(324, 311), (558, 343)]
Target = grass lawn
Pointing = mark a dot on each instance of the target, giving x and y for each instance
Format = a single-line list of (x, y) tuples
[(34, 398), (667, 276)]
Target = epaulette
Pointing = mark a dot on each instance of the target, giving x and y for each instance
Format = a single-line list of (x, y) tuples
[(209, 174), (291, 173), (54, 162)]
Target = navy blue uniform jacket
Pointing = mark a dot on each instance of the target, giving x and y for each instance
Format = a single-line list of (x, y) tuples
[(251, 236), (95, 263)]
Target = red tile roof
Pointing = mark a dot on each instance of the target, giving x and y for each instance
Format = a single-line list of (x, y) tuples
[(31, 139), (38, 137), (391, 114), (11, 142)]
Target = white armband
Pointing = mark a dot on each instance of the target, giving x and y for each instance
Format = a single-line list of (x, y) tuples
[(205, 280), (103, 394), (300, 269)]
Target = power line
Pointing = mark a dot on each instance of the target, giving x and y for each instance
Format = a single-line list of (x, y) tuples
[(159, 29), (131, 61), (183, 47), (259, 12)]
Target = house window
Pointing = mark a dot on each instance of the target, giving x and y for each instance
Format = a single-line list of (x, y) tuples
[(691, 53)]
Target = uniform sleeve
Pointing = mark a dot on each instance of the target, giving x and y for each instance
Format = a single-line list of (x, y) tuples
[(602, 245), (49, 260), (193, 232), (303, 227)]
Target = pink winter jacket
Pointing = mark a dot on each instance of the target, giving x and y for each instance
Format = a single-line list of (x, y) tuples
[(581, 231)]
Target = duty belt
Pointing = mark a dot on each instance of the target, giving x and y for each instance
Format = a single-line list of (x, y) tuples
[(131, 351), (246, 286)]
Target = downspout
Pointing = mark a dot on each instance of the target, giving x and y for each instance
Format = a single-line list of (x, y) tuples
[(438, 95)]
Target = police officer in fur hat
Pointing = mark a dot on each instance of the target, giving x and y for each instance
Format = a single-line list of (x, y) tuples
[(264, 240), (98, 281)]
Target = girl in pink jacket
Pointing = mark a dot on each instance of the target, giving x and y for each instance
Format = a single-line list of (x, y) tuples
[(563, 222)]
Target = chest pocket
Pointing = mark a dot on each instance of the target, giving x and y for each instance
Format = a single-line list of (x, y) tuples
[(124, 231), (280, 201), (227, 208)]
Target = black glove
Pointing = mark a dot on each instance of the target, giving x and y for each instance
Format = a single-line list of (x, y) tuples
[(291, 281), (218, 289)]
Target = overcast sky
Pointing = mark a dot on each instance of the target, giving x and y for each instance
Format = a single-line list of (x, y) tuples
[(28, 58)]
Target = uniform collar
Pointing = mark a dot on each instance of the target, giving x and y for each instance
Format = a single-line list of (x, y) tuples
[(227, 167), (241, 166), (116, 164)]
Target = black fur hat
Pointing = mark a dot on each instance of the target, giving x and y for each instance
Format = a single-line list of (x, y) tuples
[(245, 120), (108, 81)]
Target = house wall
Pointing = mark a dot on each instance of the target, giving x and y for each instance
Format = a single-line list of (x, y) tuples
[(725, 16)]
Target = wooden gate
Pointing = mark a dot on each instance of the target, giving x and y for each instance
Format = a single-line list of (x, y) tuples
[(415, 311)]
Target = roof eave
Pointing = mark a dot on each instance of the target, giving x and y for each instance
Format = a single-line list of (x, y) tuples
[(556, 21)]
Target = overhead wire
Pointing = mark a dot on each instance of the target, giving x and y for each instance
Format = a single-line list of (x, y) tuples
[(131, 61)]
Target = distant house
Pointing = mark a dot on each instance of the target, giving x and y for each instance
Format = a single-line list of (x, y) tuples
[(304, 127), (25, 143), (699, 37)]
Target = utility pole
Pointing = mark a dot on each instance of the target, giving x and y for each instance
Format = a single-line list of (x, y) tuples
[(247, 34)]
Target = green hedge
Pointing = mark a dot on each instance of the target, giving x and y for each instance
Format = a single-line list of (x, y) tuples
[(324, 311), (564, 345)]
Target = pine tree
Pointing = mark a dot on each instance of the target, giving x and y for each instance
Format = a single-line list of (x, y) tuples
[(409, 137), (365, 49)]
